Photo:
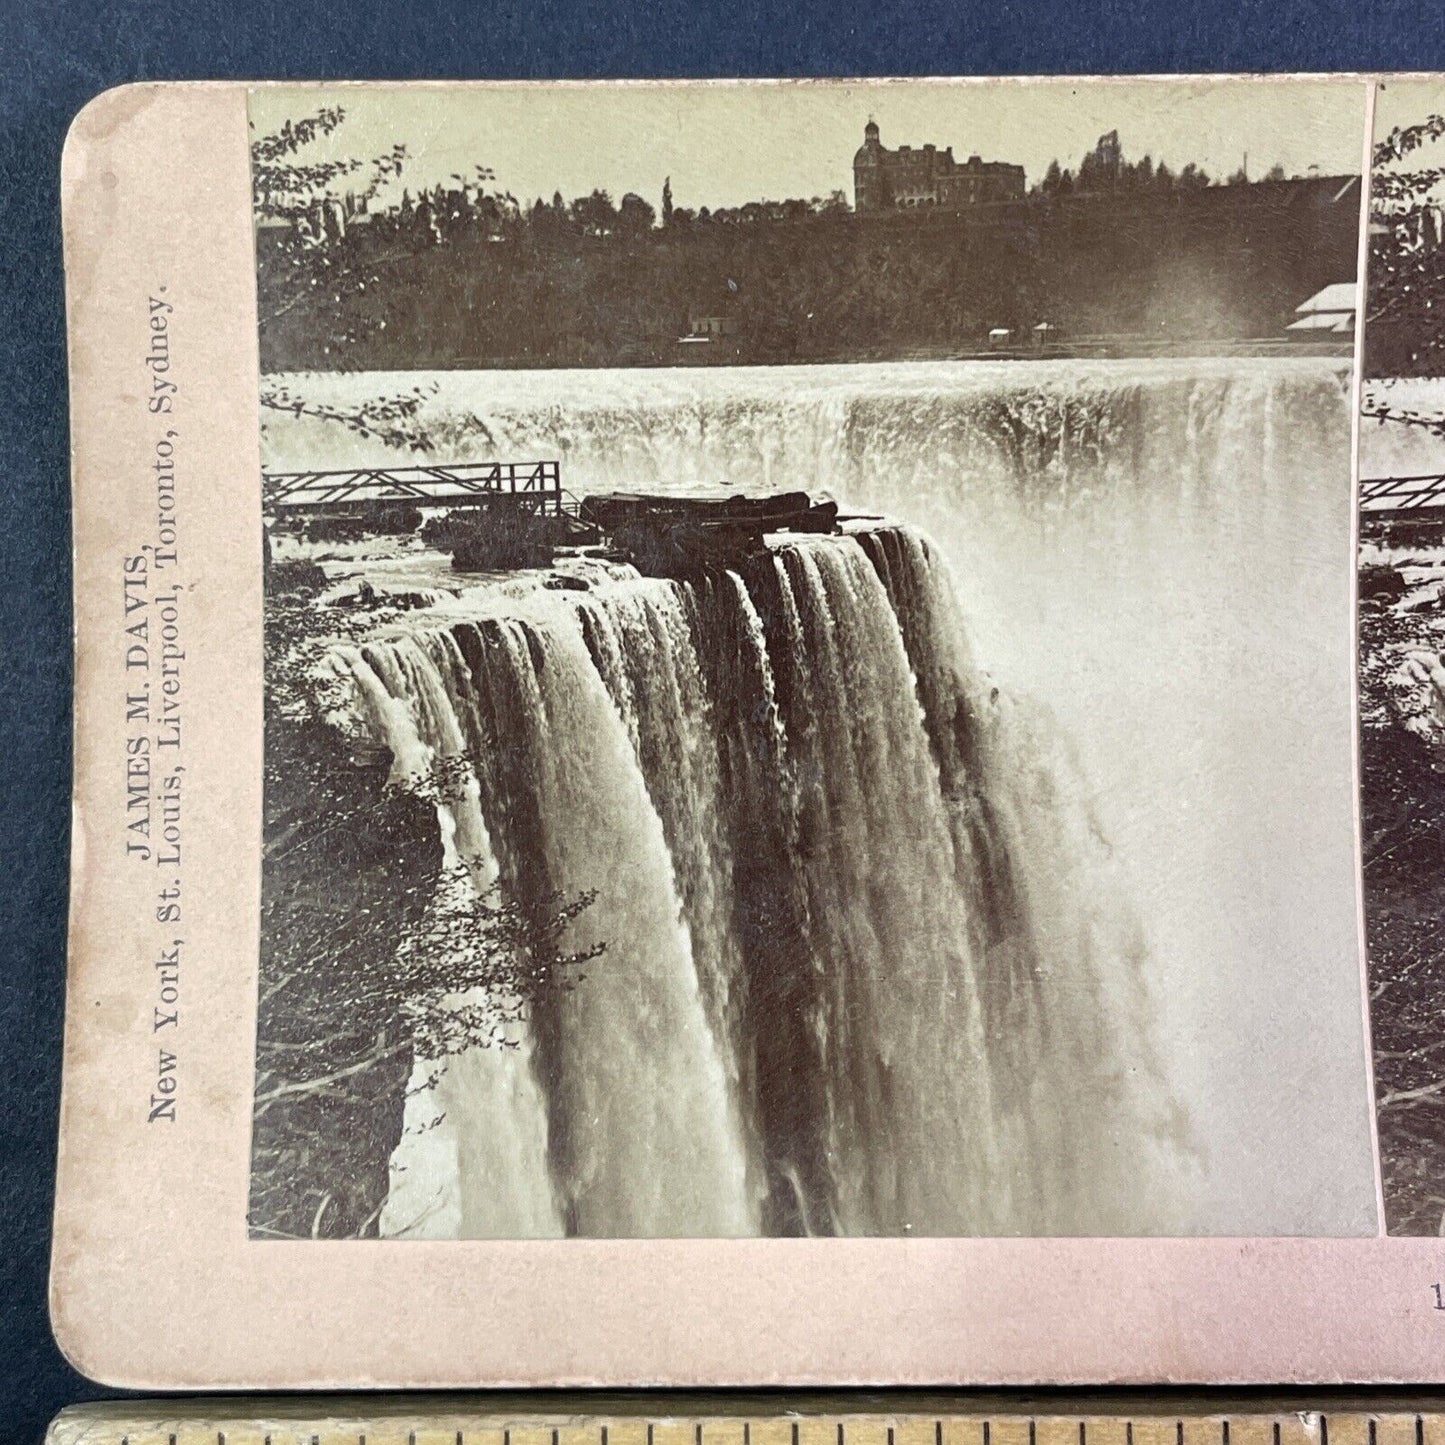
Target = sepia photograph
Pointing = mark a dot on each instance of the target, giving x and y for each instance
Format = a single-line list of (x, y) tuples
[(1402, 638), (809, 636)]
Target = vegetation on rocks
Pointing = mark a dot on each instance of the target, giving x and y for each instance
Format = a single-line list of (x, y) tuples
[(1403, 853), (374, 953)]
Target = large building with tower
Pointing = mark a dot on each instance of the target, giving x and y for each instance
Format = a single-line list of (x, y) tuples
[(889, 180)]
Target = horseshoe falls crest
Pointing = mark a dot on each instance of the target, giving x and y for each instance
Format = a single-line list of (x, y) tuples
[(988, 869)]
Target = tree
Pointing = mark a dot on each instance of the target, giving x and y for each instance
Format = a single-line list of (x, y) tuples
[(1407, 261), (332, 279), (299, 260), (1105, 169), (595, 215), (667, 201), (293, 196), (634, 216)]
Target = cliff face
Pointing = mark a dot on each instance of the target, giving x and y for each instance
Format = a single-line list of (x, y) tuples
[(348, 866)]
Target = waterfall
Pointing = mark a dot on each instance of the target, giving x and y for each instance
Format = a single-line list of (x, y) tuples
[(1115, 624), (890, 935), (414, 693), (827, 1003)]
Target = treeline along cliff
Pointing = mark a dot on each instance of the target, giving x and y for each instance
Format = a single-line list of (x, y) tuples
[(793, 282)]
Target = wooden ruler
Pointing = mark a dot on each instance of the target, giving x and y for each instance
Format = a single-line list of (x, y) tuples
[(872, 1419)]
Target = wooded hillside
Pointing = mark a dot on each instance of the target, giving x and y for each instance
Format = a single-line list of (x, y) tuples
[(463, 288)]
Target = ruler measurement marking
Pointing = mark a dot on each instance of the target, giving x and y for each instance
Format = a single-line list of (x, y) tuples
[(1304, 1426)]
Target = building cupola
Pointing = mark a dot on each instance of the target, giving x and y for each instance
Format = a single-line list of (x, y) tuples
[(870, 185)]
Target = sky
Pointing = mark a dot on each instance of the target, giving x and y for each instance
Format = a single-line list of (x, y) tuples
[(1406, 100), (727, 142)]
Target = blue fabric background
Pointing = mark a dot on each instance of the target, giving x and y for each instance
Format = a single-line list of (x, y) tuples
[(55, 56)]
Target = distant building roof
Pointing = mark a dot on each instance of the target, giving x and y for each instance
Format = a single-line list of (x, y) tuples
[(1328, 312), (1336, 321), (1341, 296)]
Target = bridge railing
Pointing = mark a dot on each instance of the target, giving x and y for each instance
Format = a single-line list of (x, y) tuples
[(535, 485), (1422, 492)]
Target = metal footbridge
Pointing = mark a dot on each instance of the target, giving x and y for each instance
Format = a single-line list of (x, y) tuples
[(1414, 498), (531, 487)]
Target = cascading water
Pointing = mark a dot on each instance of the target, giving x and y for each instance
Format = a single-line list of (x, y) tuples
[(410, 691), (825, 1005), (881, 917)]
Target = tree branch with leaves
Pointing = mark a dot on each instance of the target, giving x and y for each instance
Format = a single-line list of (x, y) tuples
[(300, 206), (1406, 278)]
